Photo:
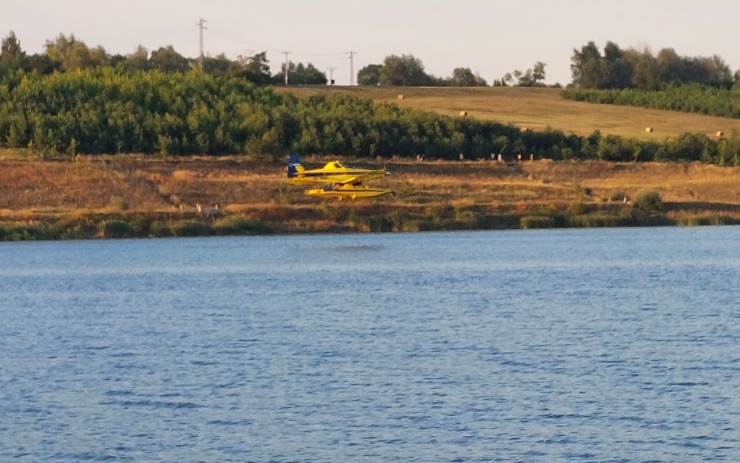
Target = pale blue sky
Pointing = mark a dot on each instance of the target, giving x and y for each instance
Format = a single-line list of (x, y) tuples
[(491, 37)]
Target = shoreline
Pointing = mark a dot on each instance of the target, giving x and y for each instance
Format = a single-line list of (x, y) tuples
[(328, 220)]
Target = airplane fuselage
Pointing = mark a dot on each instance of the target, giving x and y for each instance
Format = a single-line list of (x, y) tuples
[(334, 172)]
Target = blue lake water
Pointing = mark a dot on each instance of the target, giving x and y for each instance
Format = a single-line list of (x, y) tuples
[(532, 346)]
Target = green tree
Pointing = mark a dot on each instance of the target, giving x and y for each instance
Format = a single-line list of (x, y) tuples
[(403, 71), (464, 77), (504, 81), (166, 59), (138, 60), (11, 52), (668, 66), (618, 70), (587, 67), (649, 201), (369, 75), (40, 63), (531, 77), (298, 74), (73, 54), (719, 73), (217, 66), (646, 71), (254, 68)]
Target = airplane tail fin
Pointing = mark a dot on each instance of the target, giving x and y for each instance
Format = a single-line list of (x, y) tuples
[(294, 166)]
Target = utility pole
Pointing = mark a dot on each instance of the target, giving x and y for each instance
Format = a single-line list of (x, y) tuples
[(286, 53), (201, 26), (351, 67), (331, 75)]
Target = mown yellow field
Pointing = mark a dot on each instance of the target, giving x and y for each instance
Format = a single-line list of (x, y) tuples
[(540, 108)]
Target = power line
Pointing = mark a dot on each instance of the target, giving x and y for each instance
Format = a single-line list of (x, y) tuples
[(269, 49), (201, 26), (251, 45), (262, 47)]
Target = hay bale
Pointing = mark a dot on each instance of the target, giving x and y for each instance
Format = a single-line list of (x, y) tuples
[(648, 129), (463, 113), (401, 97), (720, 134)]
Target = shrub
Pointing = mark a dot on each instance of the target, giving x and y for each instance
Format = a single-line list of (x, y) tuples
[(537, 222), (233, 225), (649, 201), (498, 221), (618, 196), (380, 223), (413, 225), (712, 219), (159, 229), (141, 223), (578, 208), (191, 228), (595, 221), (77, 232), (116, 229), (117, 203), (13, 232)]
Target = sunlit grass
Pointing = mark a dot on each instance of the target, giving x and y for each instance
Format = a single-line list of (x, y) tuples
[(177, 186), (540, 109)]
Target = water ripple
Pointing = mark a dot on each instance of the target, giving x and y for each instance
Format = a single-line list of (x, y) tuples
[(578, 346)]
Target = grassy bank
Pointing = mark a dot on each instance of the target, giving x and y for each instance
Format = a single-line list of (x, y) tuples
[(124, 196), (141, 225)]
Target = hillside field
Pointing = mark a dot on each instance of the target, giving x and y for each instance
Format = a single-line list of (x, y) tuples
[(539, 109)]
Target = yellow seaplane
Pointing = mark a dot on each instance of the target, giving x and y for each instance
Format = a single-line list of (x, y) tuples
[(341, 182)]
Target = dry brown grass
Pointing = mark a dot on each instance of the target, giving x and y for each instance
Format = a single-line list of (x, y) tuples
[(539, 109), (68, 186), (33, 188)]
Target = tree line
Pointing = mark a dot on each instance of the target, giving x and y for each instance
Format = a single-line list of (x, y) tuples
[(67, 53), (104, 110), (616, 68), (408, 71), (693, 98)]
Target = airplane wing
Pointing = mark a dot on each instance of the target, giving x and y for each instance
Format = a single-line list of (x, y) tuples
[(348, 191), (354, 180)]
